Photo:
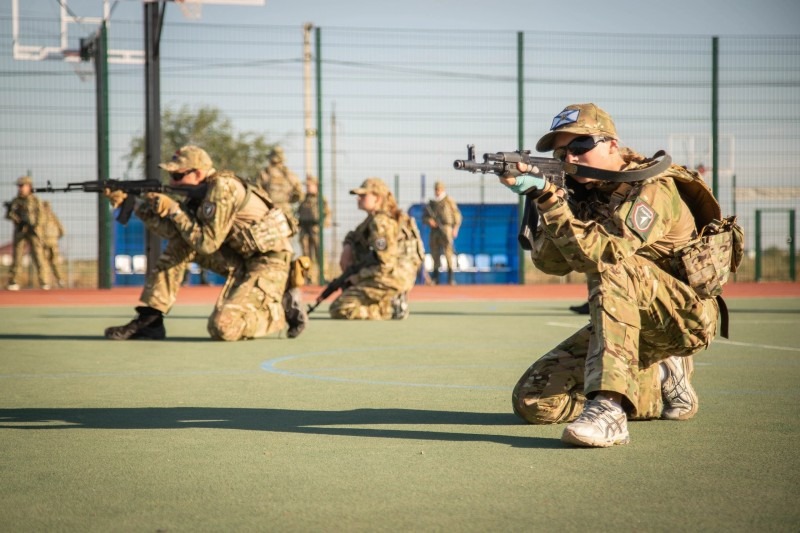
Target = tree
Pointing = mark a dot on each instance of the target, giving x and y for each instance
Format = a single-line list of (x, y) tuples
[(244, 153)]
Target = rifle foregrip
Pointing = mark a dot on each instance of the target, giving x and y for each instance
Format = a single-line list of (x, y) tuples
[(126, 209)]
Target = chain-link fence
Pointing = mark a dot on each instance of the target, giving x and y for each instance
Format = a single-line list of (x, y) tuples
[(402, 105)]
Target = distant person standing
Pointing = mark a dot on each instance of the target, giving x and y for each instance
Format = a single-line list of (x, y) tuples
[(444, 218), (52, 232), (309, 220), (282, 185), (25, 212)]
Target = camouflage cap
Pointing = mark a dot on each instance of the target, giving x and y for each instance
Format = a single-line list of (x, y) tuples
[(312, 180), (586, 119), (374, 185), (276, 154), (24, 180), (188, 157), (438, 185)]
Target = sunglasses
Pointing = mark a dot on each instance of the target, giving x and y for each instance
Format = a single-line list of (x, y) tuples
[(579, 146), (178, 176)]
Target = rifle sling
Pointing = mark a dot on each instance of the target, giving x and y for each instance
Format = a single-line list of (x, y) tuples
[(621, 176)]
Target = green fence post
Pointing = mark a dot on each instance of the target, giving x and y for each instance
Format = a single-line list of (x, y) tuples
[(758, 245), (321, 251), (104, 223), (792, 241), (521, 133)]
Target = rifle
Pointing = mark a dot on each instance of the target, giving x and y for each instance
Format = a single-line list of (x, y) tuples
[(133, 188), (339, 283), (342, 281), (505, 163)]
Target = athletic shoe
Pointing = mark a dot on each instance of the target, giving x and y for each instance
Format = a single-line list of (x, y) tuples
[(400, 307), (680, 398), (149, 325), (601, 424), (295, 313), (13, 286), (45, 287)]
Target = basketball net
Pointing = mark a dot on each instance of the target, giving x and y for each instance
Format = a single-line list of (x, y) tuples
[(191, 9)]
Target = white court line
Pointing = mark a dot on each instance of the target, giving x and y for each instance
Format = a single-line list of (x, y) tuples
[(721, 341)]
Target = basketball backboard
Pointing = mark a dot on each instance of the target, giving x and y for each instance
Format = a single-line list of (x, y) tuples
[(61, 43)]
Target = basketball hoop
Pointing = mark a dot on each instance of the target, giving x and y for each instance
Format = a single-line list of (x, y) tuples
[(191, 9)]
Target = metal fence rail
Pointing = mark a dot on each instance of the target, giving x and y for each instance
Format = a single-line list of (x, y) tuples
[(403, 104)]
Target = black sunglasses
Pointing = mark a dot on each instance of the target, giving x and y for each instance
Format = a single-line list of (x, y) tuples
[(178, 176), (579, 146)]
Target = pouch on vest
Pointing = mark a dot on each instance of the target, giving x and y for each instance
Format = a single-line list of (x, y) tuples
[(263, 236), (298, 271), (706, 262)]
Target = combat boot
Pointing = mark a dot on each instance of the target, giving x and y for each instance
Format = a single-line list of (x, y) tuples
[(400, 306), (680, 398), (602, 423), (148, 325), (451, 278), (296, 315)]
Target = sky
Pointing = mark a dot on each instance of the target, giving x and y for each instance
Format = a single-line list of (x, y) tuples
[(691, 17), (681, 17)]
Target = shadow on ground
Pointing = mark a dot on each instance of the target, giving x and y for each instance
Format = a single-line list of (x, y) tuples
[(277, 420)]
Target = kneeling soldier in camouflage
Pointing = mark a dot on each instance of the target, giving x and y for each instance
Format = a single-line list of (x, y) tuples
[(236, 231), (634, 358)]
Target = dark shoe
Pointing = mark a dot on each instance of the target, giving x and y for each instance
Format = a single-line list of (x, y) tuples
[(149, 325), (580, 309), (296, 315)]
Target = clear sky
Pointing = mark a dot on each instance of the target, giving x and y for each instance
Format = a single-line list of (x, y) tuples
[(693, 17), (689, 17)]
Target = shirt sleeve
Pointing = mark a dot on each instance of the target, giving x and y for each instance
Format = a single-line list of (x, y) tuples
[(643, 218), (206, 232)]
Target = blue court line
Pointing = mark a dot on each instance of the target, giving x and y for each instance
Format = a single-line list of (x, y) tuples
[(271, 366)]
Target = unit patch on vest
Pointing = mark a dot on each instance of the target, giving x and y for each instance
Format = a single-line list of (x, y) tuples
[(208, 209), (380, 244), (641, 219)]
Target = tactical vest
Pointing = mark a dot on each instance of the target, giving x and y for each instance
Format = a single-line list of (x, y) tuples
[(265, 235), (409, 241), (707, 261)]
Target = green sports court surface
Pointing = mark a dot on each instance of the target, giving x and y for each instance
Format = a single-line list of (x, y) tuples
[(382, 426)]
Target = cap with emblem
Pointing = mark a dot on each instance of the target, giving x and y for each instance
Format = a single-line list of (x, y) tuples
[(24, 180), (188, 157), (374, 185), (585, 119)]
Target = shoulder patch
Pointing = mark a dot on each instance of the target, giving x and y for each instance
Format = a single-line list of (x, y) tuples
[(641, 218), (380, 244), (208, 209)]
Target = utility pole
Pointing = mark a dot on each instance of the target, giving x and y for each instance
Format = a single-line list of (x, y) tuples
[(310, 131)]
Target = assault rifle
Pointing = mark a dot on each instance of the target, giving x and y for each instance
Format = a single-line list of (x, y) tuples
[(342, 282), (133, 188), (505, 163)]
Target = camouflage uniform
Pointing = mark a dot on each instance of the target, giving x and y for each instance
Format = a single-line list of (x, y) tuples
[(26, 213), (374, 243), (282, 184), (627, 238), (447, 217), (411, 252), (52, 231), (234, 231), (309, 228)]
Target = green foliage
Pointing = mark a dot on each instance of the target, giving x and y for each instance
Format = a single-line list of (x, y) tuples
[(243, 153)]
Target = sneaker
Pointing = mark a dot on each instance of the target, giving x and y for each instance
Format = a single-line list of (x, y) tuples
[(149, 325), (400, 307), (680, 398), (296, 314), (602, 423), (580, 309), (45, 287), (13, 286)]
